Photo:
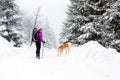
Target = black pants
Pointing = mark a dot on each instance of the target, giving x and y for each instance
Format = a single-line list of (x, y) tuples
[(38, 47)]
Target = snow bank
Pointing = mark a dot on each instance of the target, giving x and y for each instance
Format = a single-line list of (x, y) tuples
[(90, 61), (4, 43), (5, 48)]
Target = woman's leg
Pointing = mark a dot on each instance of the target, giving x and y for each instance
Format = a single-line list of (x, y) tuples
[(38, 46)]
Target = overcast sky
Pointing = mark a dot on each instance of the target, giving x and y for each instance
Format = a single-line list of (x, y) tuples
[(54, 10)]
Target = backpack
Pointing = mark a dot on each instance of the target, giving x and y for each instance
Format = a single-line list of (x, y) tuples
[(35, 35)]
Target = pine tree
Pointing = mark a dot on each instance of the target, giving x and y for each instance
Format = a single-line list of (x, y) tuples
[(11, 20), (74, 21), (93, 20), (109, 25)]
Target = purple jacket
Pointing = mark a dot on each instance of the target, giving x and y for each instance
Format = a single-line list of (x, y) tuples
[(40, 37)]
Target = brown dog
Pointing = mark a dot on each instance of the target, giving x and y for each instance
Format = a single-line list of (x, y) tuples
[(64, 47)]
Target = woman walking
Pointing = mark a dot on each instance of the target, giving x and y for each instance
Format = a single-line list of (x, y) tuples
[(38, 39)]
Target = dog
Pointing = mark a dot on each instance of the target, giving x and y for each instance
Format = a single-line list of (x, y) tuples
[(64, 47)]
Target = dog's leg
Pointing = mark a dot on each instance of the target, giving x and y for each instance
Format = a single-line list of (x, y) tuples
[(66, 50), (59, 52)]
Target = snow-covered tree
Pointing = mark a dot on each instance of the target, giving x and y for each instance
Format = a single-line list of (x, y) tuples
[(109, 25), (10, 20), (74, 21), (49, 35), (28, 25), (93, 20), (65, 35)]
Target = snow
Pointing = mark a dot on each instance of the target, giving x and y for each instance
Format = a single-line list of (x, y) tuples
[(2, 27), (90, 61)]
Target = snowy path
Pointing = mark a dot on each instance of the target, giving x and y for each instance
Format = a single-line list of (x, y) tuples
[(88, 62)]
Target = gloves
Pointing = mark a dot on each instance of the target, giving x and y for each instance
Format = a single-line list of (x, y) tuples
[(44, 42)]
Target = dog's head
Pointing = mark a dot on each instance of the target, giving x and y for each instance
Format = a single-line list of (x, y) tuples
[(72, 44)]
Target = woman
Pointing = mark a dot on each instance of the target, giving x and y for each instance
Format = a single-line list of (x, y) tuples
[(38, 43)]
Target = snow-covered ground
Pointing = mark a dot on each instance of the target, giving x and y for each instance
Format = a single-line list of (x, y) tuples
[(90, 61)]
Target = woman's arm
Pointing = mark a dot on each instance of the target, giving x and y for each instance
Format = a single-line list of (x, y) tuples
[(41, 37)]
